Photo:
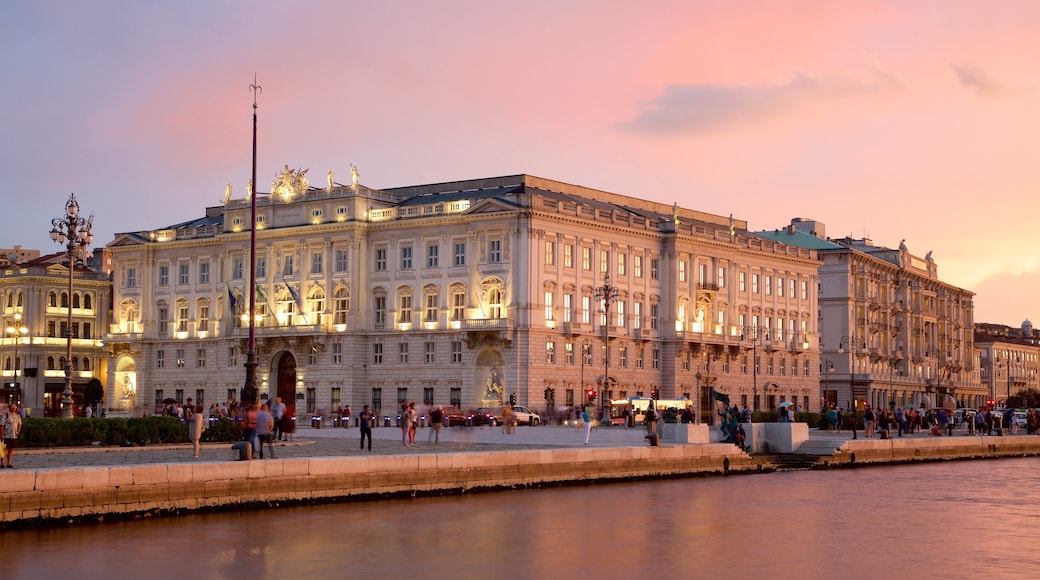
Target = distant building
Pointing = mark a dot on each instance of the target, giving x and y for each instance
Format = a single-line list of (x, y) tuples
[(35, 294), (16, 255), (891, 330), (1007, 358), (462, 294)]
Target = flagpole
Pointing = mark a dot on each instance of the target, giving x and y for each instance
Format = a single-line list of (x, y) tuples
[(249, 391)]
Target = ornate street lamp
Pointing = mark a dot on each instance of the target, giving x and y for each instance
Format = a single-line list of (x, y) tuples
[(755, 333), (17, 330), (74, 232), (607, 294), (250, 394)]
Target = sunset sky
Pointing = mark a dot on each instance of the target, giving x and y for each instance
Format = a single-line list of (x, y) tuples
[(884, 119)]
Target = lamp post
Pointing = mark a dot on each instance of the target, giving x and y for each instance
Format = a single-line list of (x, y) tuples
[(607, 294), (249, 391), (850, 341), (755, 332), (17, 330), (73, 231)]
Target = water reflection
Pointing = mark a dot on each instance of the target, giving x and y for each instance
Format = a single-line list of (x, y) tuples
[(958, 519)]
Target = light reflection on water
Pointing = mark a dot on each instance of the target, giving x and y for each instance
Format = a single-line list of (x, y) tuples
[(958, 519)]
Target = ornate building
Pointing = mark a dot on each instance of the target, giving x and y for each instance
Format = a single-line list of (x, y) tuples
[(891, 331), (34, 296), (1008, 359), (462, 293)]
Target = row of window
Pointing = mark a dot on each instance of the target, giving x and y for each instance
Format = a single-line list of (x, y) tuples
[(17, 364)]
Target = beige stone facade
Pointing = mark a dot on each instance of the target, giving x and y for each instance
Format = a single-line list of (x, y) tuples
[(464, 293)]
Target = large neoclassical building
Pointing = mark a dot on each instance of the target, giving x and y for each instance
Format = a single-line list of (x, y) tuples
[(462, 293)]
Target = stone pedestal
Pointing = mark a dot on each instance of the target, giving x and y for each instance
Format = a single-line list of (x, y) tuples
[(685, 433)]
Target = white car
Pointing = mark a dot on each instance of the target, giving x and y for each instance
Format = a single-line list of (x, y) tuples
[(524, 416)]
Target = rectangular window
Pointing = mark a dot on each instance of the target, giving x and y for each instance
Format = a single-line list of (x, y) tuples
[(654, 312), (430, 352), (402, 353), (805, 290), (131, 277), (458, 305), (621, 264), (456, 352), (406, 309), (637, 266), (742, 281), (180, 358), (379, 311), (182, 276), (620, 318), (337, 353), (780, 287), (550, 253), (406, 257), (232, 355), (586, 309), (164, 275), (604, 261), (637, 315), (163, 320), (568, 305), (586, 259), (182, 319), (769, 285), (430, 311), (261, 267), (639, 358), (204, 273), (754, 283), (236, 269), (203, 318), (623, 357), (722, 277), (655, 358), (550, 352), (495, 251), (342, 260), (460, 254), (682, 270), (568, 255), (455, 396), (655, 265), (288, 267), (377, 353), (160, 358), (316, 263), (702, 273), (380, 259), (549, 310), (433, 259), (568, 349), (200, 356)]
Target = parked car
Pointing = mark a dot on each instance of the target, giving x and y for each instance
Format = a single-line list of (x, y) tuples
[(525, 416), (484, 416), (453, 417)]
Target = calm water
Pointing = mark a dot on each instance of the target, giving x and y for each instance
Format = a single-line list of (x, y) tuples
[(972, 519)]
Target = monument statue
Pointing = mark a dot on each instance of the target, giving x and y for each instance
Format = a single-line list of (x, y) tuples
[(328, 180), (354, 175), (227, 193), (493, 389)]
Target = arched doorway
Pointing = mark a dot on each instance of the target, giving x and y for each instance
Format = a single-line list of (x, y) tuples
[(285, 371)]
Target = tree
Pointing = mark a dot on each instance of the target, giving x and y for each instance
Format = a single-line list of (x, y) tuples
[(1028, 399), (93, 393)]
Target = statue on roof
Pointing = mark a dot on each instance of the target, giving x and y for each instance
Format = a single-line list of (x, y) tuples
[(290, 183), (928, 256), (902, 245), (227, 193), (675, 214), (355, 176), (328, 181), (249, 189)]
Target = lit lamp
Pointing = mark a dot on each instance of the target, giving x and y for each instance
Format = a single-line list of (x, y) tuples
[(17, 331), (74, 232), (607, 294)]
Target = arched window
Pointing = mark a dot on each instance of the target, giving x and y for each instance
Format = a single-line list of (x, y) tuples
[(75, 301), (341, 304), (52, 299), (64, 299), (75, 363), (86, 363), (50, 363), (87, 302)]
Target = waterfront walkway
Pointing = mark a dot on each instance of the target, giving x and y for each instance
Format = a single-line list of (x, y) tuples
[(341, 442)]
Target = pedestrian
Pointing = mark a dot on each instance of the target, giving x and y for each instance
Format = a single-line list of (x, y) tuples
[(852, 419), (365, 423), (196, 426), (289, 421), (10, 426), (436, 418), (278, 412), (265, 430), (88, 412), (251, 424), (189, 410), (868, 422), (346, 416), (413, 423), (404, 423), (586, 416), (650, 419)]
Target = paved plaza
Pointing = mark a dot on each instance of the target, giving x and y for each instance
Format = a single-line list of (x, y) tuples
[(343, 442)]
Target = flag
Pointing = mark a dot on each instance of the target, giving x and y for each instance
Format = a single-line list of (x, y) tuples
[(296, 298), (231, 299), (717, 396), (260, 296)]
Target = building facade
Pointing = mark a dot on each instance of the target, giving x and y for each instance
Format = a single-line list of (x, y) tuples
[(34, 296), (463, 294), (1007, 359), (891, 330)]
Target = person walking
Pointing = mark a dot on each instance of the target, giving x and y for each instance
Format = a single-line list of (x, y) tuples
[(251, 423), (10, 426), (265, 430), (436, 419), (413, 423), (196, 426), (586, 416), (278, 412), (289, 422), (365, 423), (405, 423)]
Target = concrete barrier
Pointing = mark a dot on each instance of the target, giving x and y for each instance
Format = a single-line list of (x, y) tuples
[(775, 438), (685, 433)]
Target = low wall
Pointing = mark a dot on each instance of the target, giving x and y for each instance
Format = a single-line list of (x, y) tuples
[(685, 433), (775, 437), (902, 450), (43, 495)]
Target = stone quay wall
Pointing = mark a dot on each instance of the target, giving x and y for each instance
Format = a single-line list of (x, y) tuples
[(905, 450), (29, 497)]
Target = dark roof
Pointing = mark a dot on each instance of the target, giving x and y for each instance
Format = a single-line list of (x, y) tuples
[(799, 239)]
